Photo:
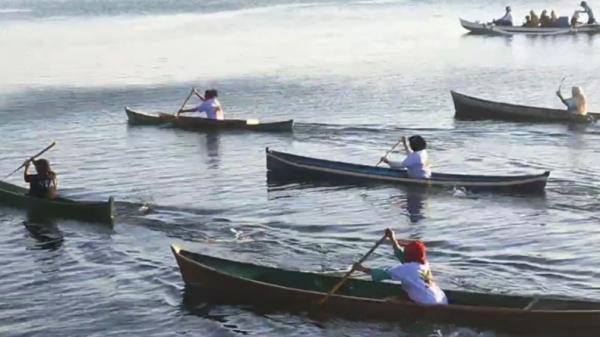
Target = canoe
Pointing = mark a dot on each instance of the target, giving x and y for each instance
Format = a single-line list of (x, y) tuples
[(491, 29), (205, 124), (220, 280), (16, 196), (282, 165), (472, 108)]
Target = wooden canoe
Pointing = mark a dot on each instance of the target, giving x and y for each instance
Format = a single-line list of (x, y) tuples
[(220, 280), (491, 29), (472, 108), (205, 124), (16, 196), (282, 165)]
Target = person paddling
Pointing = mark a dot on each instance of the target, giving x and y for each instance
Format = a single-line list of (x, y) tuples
[(210, 105), (416, 161), (414, 271), (577, 104), (43, 183), (506, 20), (587, 10)]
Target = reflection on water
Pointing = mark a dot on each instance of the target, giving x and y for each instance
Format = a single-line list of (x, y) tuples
[(44, 231), (413, 201), (212, 150)]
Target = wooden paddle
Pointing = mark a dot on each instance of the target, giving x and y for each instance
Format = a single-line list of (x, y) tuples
[(32, 158), (185, 102), (341, 283), (388, 153)]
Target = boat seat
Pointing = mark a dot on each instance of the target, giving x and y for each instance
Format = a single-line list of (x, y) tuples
[(533, 302)]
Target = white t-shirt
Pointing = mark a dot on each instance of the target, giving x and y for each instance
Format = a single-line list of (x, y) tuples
[(416, 164), (212, 107), (417, 282)]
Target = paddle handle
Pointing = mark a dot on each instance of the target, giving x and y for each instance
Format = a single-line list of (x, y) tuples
[(185, 102), (32, 158), (345, 278), (389, 151)]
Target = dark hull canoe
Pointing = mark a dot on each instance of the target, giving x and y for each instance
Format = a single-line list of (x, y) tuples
[(16, 196), (282, 165), (226, 281), (491, 29), (472, 108), (205, 124)]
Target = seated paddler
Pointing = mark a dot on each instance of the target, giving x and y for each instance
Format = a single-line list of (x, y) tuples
[(577, 104), (43, 183), (506, 20), (413, 271), (587, 10), (209, 105), (416, 162)]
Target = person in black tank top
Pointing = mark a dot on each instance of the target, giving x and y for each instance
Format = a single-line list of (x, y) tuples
[(42, 184)]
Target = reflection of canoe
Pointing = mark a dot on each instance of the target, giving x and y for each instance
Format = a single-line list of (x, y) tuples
[(491, 29), (64, 208), (225, 281), (288, 166), (472, 108), (199, 123)]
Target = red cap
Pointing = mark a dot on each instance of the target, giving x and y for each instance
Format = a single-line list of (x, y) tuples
[(415, 252)]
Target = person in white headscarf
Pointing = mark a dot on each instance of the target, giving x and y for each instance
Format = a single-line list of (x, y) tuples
[(577, 104)]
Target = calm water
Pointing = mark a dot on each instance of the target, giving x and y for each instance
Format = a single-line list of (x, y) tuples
[(355, 75)]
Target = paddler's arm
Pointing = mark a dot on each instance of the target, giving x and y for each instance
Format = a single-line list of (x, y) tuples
[(27, 163), (393, 164), (198, 94), (189, 110), (406, 145), (396, 244), (561, 97), (376, 274)]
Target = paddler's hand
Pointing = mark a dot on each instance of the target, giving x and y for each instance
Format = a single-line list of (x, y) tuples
[(359, 267), (390, 234), (27, 162), (385, 160)]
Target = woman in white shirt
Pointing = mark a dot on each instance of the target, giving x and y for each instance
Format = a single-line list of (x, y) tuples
[(416, 161), (210, 105), (577, 104), (414, 272)]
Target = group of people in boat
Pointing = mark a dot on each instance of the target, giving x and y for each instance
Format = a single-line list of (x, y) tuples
[(548, 20)]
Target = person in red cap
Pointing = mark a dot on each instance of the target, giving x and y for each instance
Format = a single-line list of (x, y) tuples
[(413, 272)]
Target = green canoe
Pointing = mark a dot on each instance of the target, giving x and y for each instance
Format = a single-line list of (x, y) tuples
[(16, 196), (228, 281)]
